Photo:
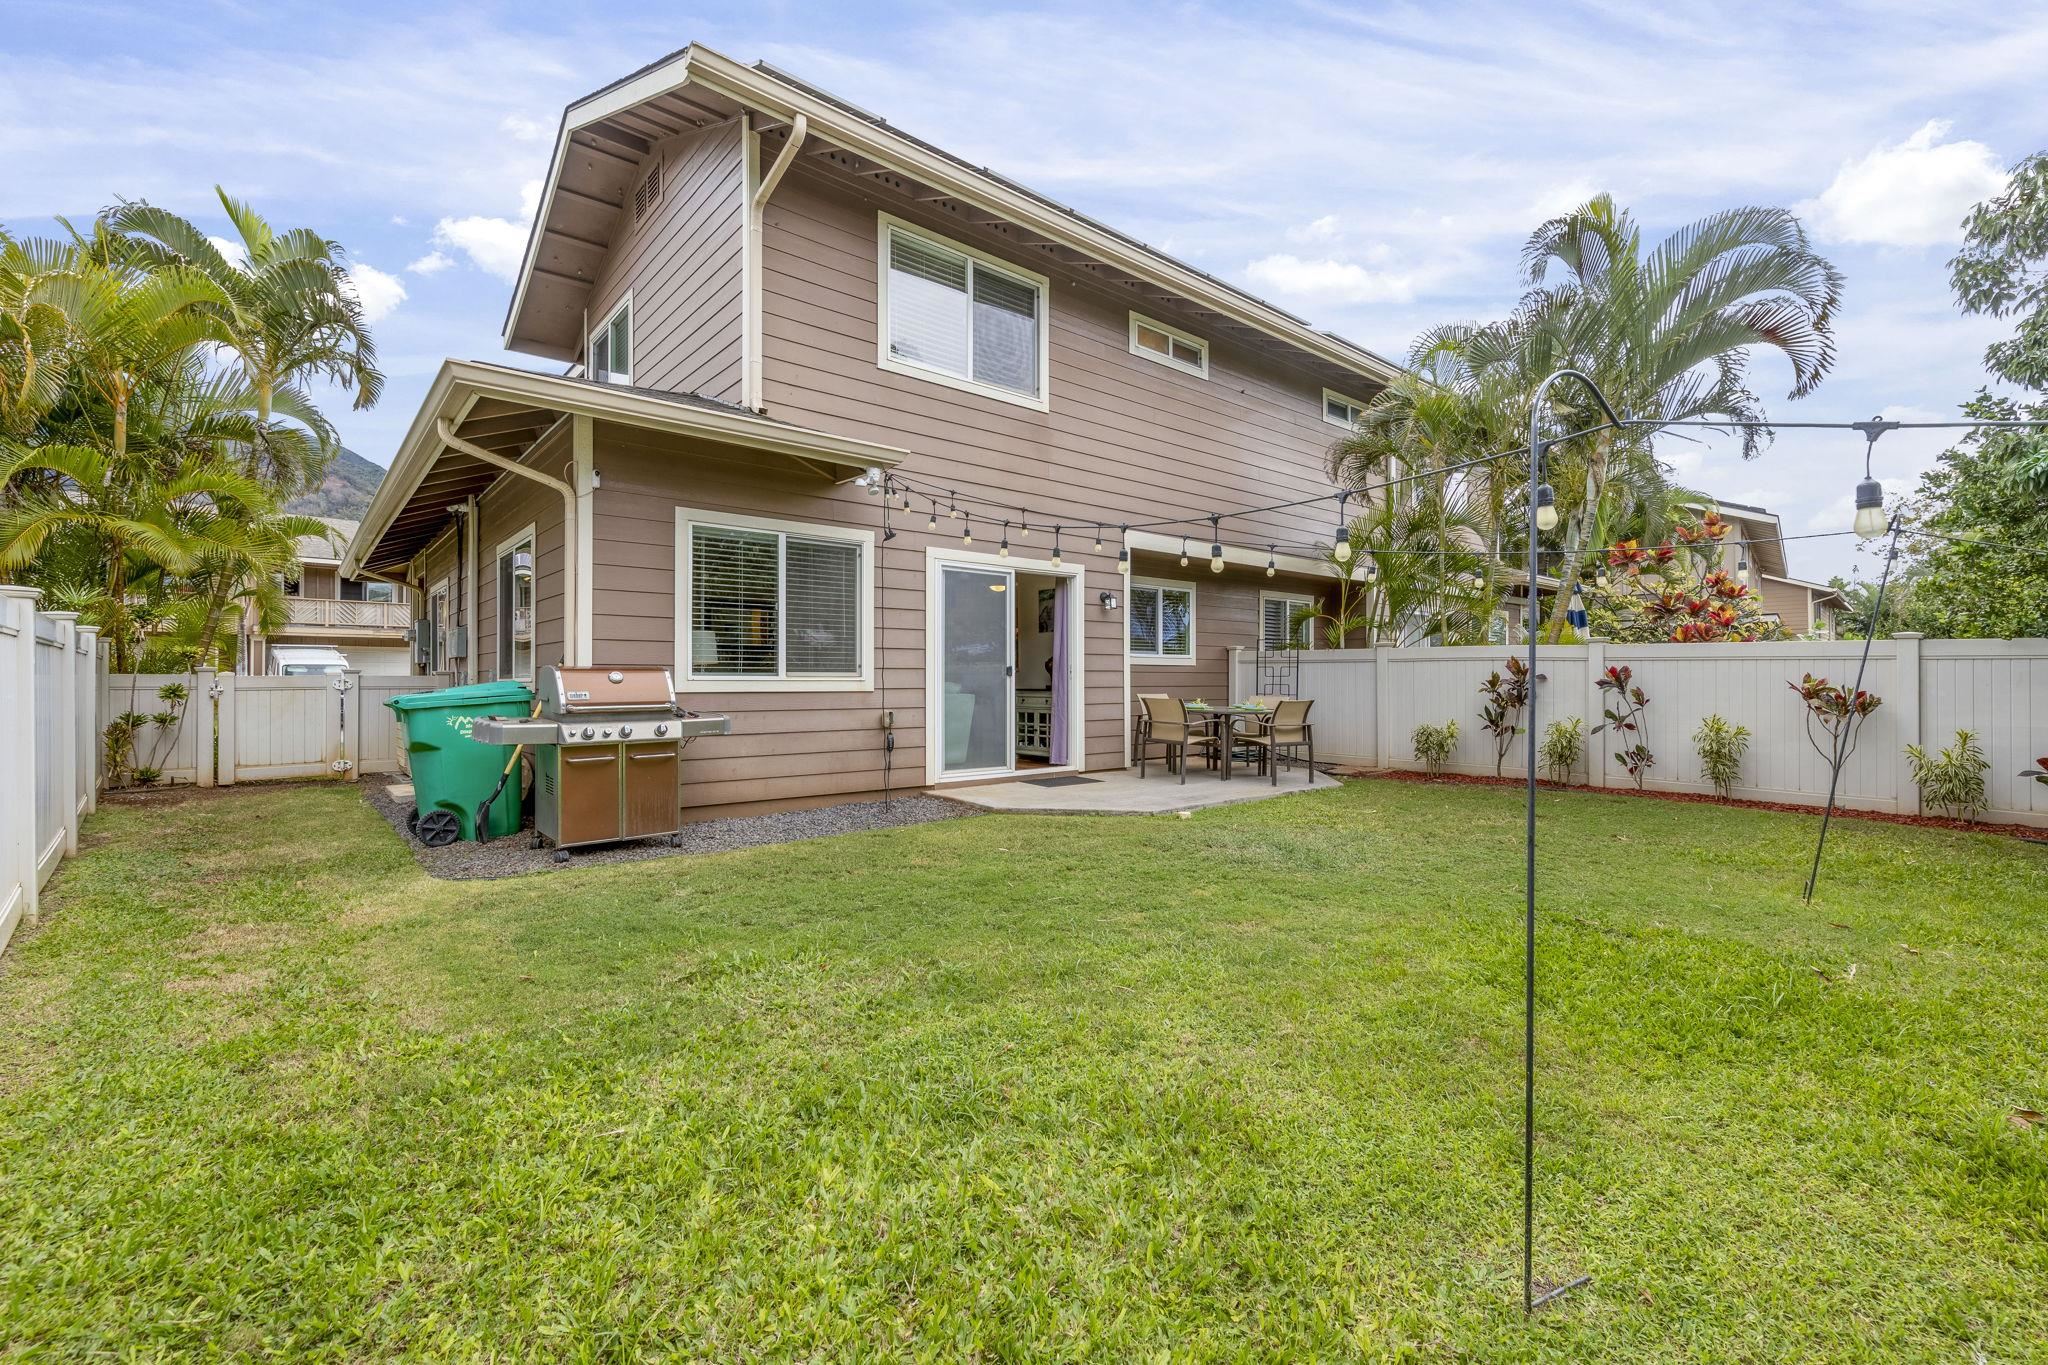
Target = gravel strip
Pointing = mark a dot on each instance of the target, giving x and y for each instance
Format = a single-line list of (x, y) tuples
[(514, 855)]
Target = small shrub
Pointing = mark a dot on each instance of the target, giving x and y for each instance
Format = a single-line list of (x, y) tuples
[(1564, 744), (1624, 712), (147, 776), (1433, 744), (1501, 716), (1836, 712), (1953, 780), (1721, 747)]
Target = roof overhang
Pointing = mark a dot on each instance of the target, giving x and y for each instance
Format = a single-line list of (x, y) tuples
[(603, 138), (506, 411)]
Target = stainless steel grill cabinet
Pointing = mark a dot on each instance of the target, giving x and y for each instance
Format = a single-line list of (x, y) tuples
[(607, 749)]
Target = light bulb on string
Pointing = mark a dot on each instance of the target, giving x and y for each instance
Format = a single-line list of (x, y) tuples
[(1003, 550), (1025, 532), (1869, 521), (1183, 552), (1123, 553), (1546, 508), (966, 531), (1340, 539), (931, 523), (953, 503), (1098, 540), (1215, 545), (1056, 547), (1271, 567)]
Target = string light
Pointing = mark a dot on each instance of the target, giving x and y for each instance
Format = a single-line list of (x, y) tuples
[(1123, 554), (1546, 508), (931, 523), (1098, 540), (1183, 552), (953, 501), (1271, 567), (1215, 544), (1056, 547), (1026, 532), (1003, 550), (966, 532), (1340, 540), (1741, 564), (1372, 570)]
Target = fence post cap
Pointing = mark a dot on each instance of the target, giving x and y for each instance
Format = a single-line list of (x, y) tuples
[(20, 590), (60, 615), (1908, 635)]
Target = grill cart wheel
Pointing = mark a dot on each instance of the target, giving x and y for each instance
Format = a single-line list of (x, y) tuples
[(439, 828), (561, 855)]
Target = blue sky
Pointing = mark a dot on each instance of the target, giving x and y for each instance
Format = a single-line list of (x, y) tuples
[(1371, 167)]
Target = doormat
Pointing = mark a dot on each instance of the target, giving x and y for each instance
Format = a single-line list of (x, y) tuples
[(1070, 780)]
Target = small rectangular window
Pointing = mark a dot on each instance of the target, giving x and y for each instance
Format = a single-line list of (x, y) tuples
[(1162, 622), (767, 604), (1279, 626), (1169, 345), (1340, 411), (949, 312), (611, 346)]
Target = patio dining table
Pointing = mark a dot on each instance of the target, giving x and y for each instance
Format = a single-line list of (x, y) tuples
[(1223, 720)]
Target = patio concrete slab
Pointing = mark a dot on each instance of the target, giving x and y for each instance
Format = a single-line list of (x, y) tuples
[(1123, 792)]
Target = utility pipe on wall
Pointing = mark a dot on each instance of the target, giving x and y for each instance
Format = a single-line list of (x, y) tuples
[(571, 636)]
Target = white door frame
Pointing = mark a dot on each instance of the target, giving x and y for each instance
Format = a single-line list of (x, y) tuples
[(936, 558)]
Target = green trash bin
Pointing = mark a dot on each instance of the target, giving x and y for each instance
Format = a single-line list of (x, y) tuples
[(452, 774)]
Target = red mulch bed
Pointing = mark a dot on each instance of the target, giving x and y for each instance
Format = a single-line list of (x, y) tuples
[(2026, 832)]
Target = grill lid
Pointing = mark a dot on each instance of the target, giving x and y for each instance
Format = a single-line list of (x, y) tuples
[(587, 691)]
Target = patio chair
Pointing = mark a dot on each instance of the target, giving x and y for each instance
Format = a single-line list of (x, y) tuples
[(1141, 723), (1287, 729), (1166, 724)]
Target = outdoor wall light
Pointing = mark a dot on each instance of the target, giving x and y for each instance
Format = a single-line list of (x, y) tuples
[(1546, 508), (1108, 600), (870, 479)]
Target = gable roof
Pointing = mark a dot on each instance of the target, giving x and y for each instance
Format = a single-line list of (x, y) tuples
[(604, 136)]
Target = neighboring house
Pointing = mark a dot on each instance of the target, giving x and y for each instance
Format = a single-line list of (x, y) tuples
[(332, 620), (1757, 543), (764, 294)]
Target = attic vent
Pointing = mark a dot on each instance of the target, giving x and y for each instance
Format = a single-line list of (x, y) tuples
[(648, 194)]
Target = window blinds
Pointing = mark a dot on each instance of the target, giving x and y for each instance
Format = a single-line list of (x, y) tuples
[(949, 312), (1275, 623), (767, 605)]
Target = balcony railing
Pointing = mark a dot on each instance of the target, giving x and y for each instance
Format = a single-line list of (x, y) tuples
[(329, 614)]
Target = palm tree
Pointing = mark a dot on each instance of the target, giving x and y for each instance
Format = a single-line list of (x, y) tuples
[(1667, 335), (1416, 572), (286, 311)]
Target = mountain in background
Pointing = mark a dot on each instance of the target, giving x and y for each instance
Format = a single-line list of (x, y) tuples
[(345, 492)]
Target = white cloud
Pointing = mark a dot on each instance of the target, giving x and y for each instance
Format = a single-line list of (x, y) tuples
[(1323, 229), (379, 293), (493, 245), (523, 128), (1330, 282), (1911, 193), (433, 263), (229, 248)]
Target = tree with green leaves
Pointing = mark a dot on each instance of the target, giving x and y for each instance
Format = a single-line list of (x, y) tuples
[(1976, 533), (2002, 271), (1415, 573)]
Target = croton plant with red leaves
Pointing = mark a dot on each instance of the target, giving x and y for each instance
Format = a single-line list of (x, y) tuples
[(1623, 710), (1676, 593), (1836, 712)]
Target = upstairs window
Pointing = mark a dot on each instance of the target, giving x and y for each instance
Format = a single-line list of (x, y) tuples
[(951, 314), (1162, 622), (515, 607), (1169, 345), (1340, 411), (611, 346)]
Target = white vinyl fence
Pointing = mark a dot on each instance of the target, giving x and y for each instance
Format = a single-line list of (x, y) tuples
[(49, 724), (1369, 701), (239, 728)]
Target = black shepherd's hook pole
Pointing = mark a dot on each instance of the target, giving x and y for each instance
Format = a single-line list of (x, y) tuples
[(1540, 497), (1870, 629)]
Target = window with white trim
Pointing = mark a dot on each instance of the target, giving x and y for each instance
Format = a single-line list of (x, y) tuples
[(769, 604), (1162, 622), (515, 607), (1340, 411), (1155, 340), (1278, 628), (953, 314), (611, 346)]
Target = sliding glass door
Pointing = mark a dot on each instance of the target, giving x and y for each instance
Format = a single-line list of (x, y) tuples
[(976, 671)]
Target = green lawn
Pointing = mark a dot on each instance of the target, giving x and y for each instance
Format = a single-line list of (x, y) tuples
[(1244, 1086)]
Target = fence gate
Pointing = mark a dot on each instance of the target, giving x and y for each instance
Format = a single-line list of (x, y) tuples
[(274, 728)]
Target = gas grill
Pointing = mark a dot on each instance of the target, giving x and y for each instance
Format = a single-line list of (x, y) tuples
[(607, 753)]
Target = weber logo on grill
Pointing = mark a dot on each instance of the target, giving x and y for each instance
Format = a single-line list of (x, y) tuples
[(579, 696)]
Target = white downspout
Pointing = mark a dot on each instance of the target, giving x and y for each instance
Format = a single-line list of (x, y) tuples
[(574, 643), (752, 342)]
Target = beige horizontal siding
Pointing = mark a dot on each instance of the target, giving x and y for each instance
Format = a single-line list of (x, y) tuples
[(507, 507)]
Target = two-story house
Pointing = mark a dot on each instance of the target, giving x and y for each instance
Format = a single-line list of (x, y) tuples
[(332, 621), (772, 305)]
